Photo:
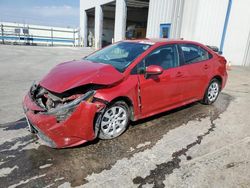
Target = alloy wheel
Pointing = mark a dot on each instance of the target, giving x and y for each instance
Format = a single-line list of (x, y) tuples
[(114, 121), (213, 91)]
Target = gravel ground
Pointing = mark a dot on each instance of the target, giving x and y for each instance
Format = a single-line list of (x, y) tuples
[(193, 146)]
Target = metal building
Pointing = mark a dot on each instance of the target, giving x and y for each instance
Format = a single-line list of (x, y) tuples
[(223, 23)]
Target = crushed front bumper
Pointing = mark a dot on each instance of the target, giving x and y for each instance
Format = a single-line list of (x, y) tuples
[(74, 130)]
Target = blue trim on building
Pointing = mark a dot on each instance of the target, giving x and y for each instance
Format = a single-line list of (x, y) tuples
[(34, 39), (225, 25)]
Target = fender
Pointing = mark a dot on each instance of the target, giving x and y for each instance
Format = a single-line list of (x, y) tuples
[(129, 88)]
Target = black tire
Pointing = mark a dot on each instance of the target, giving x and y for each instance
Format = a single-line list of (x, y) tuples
[(208, 99), (105, 132)]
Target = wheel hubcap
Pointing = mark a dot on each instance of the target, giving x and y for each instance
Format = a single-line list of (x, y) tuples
[(213, 91), (114, 121)]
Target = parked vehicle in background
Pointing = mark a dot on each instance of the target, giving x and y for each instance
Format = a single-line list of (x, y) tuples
[(99, 95)]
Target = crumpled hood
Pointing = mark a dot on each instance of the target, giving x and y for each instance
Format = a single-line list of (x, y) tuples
[(69, 75)]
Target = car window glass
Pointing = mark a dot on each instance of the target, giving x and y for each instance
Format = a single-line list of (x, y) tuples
[(165, 56), (119, 55), (193, 53)]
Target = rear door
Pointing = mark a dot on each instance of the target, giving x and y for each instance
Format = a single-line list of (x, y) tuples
[(196, 63)]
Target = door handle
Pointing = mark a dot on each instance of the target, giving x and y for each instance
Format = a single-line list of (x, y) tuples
[(179, 74), (206, 66)]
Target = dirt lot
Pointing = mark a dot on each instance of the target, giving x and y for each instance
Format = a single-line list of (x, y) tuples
[(194, 146)]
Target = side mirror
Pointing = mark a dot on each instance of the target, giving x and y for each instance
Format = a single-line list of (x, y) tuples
[(154, 70)]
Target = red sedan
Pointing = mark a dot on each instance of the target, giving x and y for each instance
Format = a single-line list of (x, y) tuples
[(97, 96)]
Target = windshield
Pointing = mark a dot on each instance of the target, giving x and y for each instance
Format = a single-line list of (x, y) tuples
[(119, 55)]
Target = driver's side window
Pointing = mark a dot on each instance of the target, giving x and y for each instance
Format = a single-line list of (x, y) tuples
[(164, 56)]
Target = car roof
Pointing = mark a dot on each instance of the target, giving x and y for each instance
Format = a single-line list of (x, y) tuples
[(153, 41)]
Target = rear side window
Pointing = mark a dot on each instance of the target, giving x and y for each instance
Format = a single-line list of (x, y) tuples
[(193, 53), (165, 56)]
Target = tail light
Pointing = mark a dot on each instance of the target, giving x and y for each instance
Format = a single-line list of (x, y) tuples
[(225, 63)]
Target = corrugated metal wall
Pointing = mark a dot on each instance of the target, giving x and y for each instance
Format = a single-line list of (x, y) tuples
[(236, 41), (203, 20), (199, 20), (164, 11), (246, 60)]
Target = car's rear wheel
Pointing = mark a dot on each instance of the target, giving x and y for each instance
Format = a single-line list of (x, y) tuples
[(212, 92), (114, 120)]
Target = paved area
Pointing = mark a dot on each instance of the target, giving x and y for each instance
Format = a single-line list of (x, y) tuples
[(193, 146)]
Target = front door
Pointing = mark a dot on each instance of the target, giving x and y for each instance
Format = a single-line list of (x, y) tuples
[(159, 92)]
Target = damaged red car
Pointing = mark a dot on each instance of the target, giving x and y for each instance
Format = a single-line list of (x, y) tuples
[(98, 96)]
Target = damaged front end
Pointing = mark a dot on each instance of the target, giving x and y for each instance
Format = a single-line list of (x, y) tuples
[(63, 119), (60, 105)]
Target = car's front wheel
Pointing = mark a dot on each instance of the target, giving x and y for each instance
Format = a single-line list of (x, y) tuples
[(212, 92), (114, 120)]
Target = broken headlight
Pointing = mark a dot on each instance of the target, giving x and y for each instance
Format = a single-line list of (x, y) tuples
[(64, 110), (33, 88)]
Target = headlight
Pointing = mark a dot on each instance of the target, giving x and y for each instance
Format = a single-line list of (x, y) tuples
[(33, 88), (64, 110)]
